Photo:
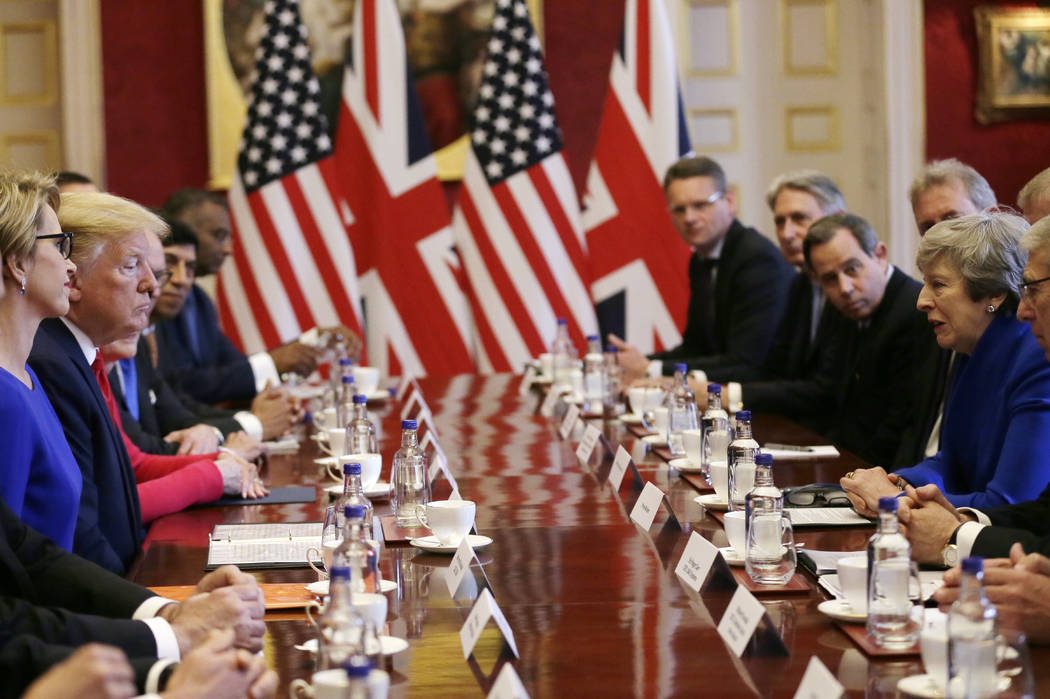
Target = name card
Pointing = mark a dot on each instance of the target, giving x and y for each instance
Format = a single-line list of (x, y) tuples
[(619, 467), (402, 386), (549, 401), (571, 416), (741, 619), (485, 608), (587, 444), (459, 566), (644, 511), (527, 380), (508, 685), (818, 682), (414, 397), (426, 418), (696, 560)]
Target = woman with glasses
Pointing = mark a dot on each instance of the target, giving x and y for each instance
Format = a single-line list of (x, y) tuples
[(996, 420), (40, 479)]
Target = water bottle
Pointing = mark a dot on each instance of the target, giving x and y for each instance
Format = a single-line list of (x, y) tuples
[(357, 671), (341, 627), (743, 458), (344, 406), (681, 404), (564, 355), (889, 573), (410, 478), (972, 637), (594, 381), (360, 432), (613, 405), (769, 555), (354, 494), (356, 553), (343, 366), (714, 420)]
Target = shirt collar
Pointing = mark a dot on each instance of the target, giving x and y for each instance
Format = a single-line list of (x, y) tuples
[(83, 341), (716, 251)]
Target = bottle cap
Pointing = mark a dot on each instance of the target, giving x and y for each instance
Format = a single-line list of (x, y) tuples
[(355, 511), (714, 388), (357, 667), (409, 424), (347, 378), (339, 572), (973, 565), (345, 361), (360, 398), (683, 367), (763, 458), (592, 338), (743, 415), (352, 469), (887, 504), (611, 349)]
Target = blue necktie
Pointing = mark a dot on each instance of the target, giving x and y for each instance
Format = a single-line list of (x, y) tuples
[(188, 318), (131, 386)]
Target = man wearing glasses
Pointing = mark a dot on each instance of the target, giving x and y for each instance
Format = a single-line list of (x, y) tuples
[(738, 279)]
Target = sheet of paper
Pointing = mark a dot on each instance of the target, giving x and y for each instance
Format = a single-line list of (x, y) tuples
[(549, 401), (619, 467), (508, 685), (827, 561), (821, 451), (825, 517), (587, 444), (740, 620), (644, 511), (459, 566), (569, 421), (485, 608), (819, 682), (273, 531), (526, 380), (696, 561)]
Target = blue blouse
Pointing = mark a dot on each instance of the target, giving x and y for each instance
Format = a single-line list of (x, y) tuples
[(39, 478), (996, 430)]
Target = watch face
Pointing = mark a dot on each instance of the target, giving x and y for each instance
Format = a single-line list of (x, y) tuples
[(951, 555)]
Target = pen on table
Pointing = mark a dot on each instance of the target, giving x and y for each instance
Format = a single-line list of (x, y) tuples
[(785, 447)]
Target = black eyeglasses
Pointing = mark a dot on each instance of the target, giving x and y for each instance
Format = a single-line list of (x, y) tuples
[(816, 495), (1025, 290), (65, 245)]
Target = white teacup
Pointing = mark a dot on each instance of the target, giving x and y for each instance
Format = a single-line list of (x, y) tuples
[(934, 646), (336, 441), (325, 553), (328, 418), (661, 420), (576, 378), (694, 444), (450, 520), (853, 579), (654, 397), (636, 396), (371, 467), (332, 684), (736, 530), (367, 379), (372, 606), (718, 443), (547, 365), (735, 396), (719, 471)]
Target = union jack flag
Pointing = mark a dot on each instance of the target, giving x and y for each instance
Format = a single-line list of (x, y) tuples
[(517, 219), (638, 261), (417, 318), (293, 267)]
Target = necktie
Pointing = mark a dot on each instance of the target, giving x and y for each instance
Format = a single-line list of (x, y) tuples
[(99, 368), (188, 318), (131, 386)]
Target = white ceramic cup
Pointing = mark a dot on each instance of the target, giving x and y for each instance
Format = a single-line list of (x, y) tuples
[(654, 397), (547, 365), (735, 396), (336, 441), (694, 444), (325, 553), (576, 378), (371, 468), (718, 440), (332, 684), (661, 420), (853, 579), (736, 530), (636, 395), (328, 418), (719, 471), (367, 379), (450, 520), (372, 606), (933, 643)]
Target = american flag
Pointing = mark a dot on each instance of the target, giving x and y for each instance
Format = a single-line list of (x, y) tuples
[(293, 267), (638, 261), (417, 318), (517, 219)]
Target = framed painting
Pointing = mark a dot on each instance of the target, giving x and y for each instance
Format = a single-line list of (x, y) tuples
[(1013, 63)]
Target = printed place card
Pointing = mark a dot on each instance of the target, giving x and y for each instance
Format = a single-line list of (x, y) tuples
[(696, 561), (644, 511), (459, 566), (485, 608), (508, 685), (527, 380), (619, 467), (569, 421), (549, 401), (587, 444), (741, 619), (818, 682)]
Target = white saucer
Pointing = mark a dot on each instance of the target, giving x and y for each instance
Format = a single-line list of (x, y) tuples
[(380, 394), (839, 610), (712, 502), (379, 489), (320, 588), (655, 440), (686, 465), (631, 419), (430, 543), (388, 645), (731, 556), (327, 461), (919, 686)]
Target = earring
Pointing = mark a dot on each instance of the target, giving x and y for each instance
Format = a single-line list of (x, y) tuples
[(22, 291), (991, 308)]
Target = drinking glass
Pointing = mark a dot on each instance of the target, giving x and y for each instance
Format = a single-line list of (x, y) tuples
[(770, 550), (331, 537)]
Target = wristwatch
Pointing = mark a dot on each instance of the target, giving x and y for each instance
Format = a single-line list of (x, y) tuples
[(950, 555)]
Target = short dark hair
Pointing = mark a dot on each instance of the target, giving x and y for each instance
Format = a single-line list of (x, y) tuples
[(696, 166), (181, 200), (181, 234), (69, 177), (824, 229)]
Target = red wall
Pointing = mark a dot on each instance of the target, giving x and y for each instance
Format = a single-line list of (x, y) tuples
[(1008, 154)]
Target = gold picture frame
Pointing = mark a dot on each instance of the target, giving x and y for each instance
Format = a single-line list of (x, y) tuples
[(1013, 80)]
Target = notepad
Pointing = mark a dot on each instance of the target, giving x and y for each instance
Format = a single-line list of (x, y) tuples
[(263, 545), (820, 451), (825, 517)]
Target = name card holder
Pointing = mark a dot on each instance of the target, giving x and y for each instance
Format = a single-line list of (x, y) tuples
[(459, 567), (818, 682), (527, 380), (550, 402), (621, 465), (508, 685), (701, 567), (585, 449), (747, 629), (485, 608), (572, 415), (648, 505)]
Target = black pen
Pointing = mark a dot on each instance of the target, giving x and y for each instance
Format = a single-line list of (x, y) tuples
[(786, 447)]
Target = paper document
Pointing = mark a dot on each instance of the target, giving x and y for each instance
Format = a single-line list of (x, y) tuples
[(269, 545), (825, 517), (827, 561), (823, 451)]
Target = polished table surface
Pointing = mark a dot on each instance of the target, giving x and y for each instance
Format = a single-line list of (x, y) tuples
[(592, 599)]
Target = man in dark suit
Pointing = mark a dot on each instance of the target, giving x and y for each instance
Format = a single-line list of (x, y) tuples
[(738, 281), (882, 335)]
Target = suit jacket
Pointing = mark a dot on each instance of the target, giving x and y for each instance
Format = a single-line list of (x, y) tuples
[(108, 480), (750, 290), (931, 381), (1025, 522), (52, 601), (217, 371), (877, 372)]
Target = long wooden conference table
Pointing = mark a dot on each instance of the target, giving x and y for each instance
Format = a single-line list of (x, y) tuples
[(593, 601)]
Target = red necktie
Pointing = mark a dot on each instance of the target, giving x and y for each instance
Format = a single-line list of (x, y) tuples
[(99, 367)]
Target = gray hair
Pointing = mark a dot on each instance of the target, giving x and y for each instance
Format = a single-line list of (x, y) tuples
[(939, 172), (985, 248), (1037, 238), (816, 184), (1036, 188), (824, 229)]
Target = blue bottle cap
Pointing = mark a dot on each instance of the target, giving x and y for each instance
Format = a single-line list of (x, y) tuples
[(360, 398), (762, 458), (352, 469), (973, 565), (714, 388), (347, 378), (340, 573), (409, 424), (611, 349), (887, 504), (357, 667), (346, 361), (684, 368), (592, 338), (743, 415), (356, 511)]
